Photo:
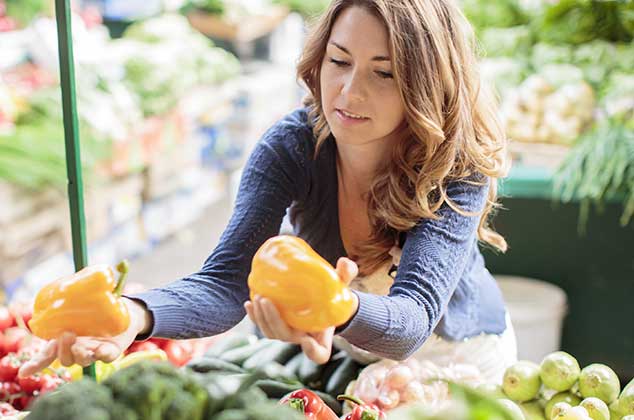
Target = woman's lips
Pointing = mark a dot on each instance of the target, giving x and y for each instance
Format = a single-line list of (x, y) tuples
[(349, 118)]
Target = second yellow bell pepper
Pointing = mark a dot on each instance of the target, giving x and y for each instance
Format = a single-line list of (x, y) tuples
[(304, 287), (86, 303)]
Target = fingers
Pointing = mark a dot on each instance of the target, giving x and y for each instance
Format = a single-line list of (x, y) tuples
[(107, 352), (257, 316), (82, 355), (64, 353), (314, 351), (40, 361), (265, 315), (347, 270), (276, 324), (319, 346)]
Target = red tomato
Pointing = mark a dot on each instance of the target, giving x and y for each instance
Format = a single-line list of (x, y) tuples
[(7, 409), (30, 384), (142, 346), (24, 402), (50, 383), (9, 391), (9, 366), (6, 319), (178, 352), (13, 339)]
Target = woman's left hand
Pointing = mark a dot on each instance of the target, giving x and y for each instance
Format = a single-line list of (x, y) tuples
[(316, 346)]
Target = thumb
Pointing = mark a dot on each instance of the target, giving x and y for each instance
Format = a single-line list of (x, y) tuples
[(347, 270)]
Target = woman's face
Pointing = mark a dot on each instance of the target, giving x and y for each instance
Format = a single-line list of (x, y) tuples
[(360, 97)]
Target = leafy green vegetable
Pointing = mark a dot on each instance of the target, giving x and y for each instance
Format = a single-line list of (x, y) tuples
[(161, 69), (307, 8), (596, 60), (624, 58), (561, 74), (617, 97), (504, 73), (600, 168), (544, 53), (214, 7), (158, 390), (494, 14), (82, 400), (514, 41), (580, 21), (24, 11)]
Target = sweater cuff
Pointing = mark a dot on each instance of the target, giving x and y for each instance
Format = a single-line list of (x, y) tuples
[(370, 321), (167, 318)]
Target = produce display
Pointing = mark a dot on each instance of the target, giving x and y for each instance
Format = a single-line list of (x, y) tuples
[(564, 72), (560, 389), (139, 79)]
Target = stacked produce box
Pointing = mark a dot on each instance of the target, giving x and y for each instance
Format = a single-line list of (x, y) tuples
[(564, 72), (138, 136)]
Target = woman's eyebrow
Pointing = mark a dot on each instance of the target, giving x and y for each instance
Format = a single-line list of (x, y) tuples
[(344, 49)]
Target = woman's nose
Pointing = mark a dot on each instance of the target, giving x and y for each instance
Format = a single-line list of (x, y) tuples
[(353, 87)]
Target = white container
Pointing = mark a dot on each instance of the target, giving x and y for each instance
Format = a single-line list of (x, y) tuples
[(537, 311)]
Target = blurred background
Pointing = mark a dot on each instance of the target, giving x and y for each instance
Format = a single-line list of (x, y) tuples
[(172, 95)]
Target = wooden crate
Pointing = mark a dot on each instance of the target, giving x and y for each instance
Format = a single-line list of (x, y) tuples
[(543, 155), (247, 30)]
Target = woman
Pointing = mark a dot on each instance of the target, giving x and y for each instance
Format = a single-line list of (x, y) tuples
[(391, 169)]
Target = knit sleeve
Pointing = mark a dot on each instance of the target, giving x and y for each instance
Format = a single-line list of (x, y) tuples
[(433, 260), (211, 301)]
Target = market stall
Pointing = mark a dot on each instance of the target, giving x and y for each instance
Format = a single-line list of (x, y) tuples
[(572, 105)]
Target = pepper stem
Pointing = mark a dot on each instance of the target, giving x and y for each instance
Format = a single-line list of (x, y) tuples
[(297, 404), (122, 268), (350, 398)]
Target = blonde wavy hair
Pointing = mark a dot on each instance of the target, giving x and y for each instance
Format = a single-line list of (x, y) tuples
[(452, 129)]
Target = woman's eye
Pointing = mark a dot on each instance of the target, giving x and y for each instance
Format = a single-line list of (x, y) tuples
[(385, 74), (338, 62)]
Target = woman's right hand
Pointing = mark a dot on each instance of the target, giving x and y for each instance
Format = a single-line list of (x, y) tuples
[(70, 349)]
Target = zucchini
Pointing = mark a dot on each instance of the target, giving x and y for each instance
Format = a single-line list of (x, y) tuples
[(276, 389), (329, 369), (293, 365), (279, 352), (310, 372), (210, 364), (238, 355), (346, 372), (230, 342)]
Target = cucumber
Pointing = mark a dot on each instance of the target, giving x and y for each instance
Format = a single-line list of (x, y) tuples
[(346, 372), (293, 365), (309, 371), (238, 355), (329, 369), (274, 370), (209, 364), (279, 352), (277, 389), (230, 342)]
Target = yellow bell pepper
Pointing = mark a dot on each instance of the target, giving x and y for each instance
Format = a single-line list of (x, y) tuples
[(86, 303), (304, 287), (76, 372)]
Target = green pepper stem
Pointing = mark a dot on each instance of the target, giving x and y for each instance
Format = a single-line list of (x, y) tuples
[(297, 404), (350, 398), (122, 268)]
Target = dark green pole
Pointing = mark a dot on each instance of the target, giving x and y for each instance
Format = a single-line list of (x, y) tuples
[(71, 136)]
